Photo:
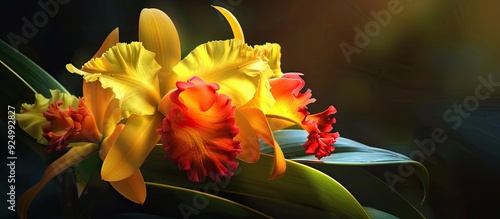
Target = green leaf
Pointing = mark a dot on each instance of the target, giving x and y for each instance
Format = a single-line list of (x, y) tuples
[(377, 214), (371, 191), (24, 76), (280, 208), (182, 201), (300, 187), (347, 153), (162, 200)]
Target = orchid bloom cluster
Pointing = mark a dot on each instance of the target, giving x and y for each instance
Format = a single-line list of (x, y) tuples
[(207, 109)]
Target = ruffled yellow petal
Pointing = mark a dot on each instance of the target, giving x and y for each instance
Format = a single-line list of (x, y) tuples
[(31, 117), (233, 65), (233, 22), (259, 123), (248, 139), (111, 40), (103, 105), (263, 98), (101, 102), (131, 72), (158, 34), (272, 51), (134, 143), (70, 158)]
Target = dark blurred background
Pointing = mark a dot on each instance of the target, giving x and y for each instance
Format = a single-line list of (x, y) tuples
[(408, 68)]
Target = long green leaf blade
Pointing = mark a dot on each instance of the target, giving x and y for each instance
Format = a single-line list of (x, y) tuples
[(377, 214), (28, 71), (182, 201), (347, 152), (24, 76), (301, 185), (370, 190)]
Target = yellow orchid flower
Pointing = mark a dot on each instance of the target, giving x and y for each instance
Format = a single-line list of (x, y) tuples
[(243, 73), (208, 109), (175, 100), (133, 73), (290, 106), (85, 125)]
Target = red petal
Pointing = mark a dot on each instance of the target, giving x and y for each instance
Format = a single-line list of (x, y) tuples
[(291, 108), (320, 139), (69, 125), (198, 131)]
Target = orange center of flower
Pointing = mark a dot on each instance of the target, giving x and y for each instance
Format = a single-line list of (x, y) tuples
[(198, 130), (69, 125)]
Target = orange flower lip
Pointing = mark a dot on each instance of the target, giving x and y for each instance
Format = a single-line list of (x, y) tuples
[(320, 139), (198, 130), (291, 108), (71, 125)]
